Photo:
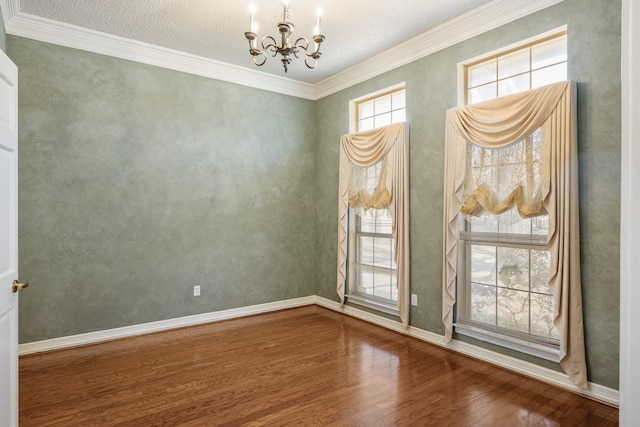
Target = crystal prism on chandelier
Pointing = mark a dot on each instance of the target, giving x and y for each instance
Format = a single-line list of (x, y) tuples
[(285, 47)]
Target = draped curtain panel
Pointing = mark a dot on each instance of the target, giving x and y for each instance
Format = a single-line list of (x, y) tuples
[(501, 122), (390, 145)]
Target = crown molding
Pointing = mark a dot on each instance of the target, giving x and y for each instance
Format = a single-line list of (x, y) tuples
[(471, 24), (63, 34), (482, 19)]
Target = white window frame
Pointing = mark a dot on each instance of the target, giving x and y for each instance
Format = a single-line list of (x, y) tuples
[(390, 307), (537, 346)]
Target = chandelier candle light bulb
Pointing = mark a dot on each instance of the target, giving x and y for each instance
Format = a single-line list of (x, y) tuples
[(285, 48), (285, 5)]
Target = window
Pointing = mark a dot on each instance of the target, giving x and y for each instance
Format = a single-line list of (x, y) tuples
[(522, 68), (506, 295), (381, 110), (503, 294), (372, 271)]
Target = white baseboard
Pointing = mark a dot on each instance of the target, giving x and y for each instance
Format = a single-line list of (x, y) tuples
[(161, 325), (560, 379), (597, 392)]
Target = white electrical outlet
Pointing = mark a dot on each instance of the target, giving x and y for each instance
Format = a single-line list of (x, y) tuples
[(196, 291), (414, 300)]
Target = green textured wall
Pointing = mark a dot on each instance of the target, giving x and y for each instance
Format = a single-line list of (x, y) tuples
[(594, 62), (137, 183)]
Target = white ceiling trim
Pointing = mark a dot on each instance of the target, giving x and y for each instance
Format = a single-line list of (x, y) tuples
[(63, 34), (473, 23), (484, 18)]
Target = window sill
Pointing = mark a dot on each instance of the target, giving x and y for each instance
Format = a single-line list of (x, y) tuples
[(373, 304), (537, 349)]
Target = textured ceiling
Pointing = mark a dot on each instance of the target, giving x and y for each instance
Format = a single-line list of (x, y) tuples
[(354, 29)]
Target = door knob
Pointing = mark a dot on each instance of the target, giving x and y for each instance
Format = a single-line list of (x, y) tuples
[(17, 286)]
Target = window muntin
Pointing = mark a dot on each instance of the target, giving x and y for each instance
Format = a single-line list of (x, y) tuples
[(523, 68), (372, 276), (505, 296)]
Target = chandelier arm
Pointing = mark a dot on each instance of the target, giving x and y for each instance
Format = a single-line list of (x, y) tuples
[(302, 43), (271, 44), (311, 67), (318, 39), (264, 59), (251, 38)]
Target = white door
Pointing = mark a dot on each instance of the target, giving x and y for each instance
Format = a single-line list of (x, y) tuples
[(8, 242)]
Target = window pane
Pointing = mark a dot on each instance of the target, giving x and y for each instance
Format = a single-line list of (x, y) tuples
[(382, 120), (540, 265), (483, 303), (382, 285), (513, 63), (521, 226), (398, 100), (382, 104), (513, 85), (513, 309), (484, 224), (367, 224), (540, 225), (482, 93), (365, 109), (549, 53), (394, 288), (384, 224), (365, 124), (542, 316), (371, 180), (365, 250), (545, 76), (399, 116), (382, 252), (482, 73), (365, 282), (513, 268), (483, 264)]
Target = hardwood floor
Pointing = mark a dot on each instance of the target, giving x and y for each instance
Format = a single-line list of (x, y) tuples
[(305, 366)]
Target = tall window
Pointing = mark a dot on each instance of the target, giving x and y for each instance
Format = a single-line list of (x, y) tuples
[(504, 295), (372, 271)]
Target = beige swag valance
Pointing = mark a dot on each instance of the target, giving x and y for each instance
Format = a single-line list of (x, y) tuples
[(389, 145), (499, 123)]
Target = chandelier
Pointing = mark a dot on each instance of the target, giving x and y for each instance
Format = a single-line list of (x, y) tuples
[(284, 48)]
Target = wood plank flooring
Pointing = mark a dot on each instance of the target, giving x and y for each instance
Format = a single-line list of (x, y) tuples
[(305, 366)]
